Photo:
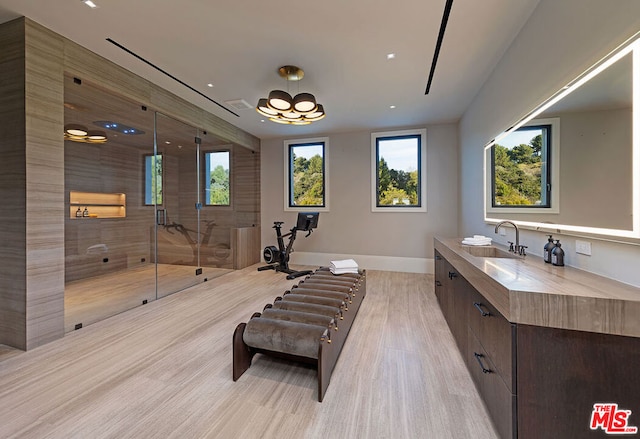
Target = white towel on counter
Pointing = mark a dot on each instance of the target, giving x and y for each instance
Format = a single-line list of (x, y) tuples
[(477, 240), (343, 266)]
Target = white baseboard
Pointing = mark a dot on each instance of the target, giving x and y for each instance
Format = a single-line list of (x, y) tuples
[(385, 263)]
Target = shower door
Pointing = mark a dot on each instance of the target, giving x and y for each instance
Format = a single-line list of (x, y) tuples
[(176, 183)]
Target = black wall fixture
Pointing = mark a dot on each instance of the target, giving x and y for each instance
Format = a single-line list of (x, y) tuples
[(130, 52), (443, 27)]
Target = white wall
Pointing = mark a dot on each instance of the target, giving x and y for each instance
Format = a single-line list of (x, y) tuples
[(395, 241), (560, 40)]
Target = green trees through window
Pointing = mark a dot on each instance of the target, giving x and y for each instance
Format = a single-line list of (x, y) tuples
[(307, 174), (398, 171), (396, 186), (153, 179), (217, 179), (520, 176)]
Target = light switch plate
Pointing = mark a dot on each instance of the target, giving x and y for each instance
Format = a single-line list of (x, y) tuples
[(583, 247)]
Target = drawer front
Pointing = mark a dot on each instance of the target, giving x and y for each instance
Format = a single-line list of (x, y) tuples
[(499, 400), (496, 335)]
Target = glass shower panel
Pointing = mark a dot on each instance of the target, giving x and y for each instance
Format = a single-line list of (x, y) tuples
[(177, 186), (108, 266)]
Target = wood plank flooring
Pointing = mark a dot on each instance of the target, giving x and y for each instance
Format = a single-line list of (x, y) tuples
[(96, 298), (164, 370)]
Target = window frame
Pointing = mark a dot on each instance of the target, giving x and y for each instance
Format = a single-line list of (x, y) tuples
[(288, 186), (206, 204), (421, 135), (553, 172)]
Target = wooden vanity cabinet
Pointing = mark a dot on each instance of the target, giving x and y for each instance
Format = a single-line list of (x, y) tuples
[(442, 284), (496, 334), (491, 361), (538, 382), (499, 400), (451, 291), (563, 373)]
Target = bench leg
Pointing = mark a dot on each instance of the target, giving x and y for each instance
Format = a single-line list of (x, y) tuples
[(242, 354)]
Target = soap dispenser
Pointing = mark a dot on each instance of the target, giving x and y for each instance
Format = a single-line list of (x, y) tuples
[(548, 248), (557, 254), (78, 213), (85, 213)]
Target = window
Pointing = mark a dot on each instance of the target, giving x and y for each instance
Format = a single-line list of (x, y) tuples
[(153, 179), (217, 178), (398, 171), (306, 174), (521, 167)]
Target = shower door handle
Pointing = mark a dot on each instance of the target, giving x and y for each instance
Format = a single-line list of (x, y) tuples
[(161, 217)]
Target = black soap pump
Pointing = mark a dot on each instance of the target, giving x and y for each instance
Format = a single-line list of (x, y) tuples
[(548, 248), (557, 254)]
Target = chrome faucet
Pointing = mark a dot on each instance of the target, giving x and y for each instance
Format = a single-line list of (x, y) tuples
[(518, 249)]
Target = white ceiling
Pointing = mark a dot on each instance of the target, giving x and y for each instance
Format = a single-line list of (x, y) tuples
[(341, 44)]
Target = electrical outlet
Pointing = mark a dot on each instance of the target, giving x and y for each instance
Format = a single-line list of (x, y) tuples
[(583, 247)]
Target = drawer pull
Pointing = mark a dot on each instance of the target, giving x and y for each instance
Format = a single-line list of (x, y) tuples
[(438, 283), (479, 358), (452, 274), (479, 305)]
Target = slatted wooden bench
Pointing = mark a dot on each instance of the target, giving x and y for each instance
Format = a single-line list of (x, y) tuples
[(308, 323)]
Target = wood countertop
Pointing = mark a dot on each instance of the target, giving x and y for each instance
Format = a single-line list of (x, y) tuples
[(526, 290)]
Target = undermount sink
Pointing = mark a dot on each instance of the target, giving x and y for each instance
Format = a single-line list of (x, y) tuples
[(488, 252)]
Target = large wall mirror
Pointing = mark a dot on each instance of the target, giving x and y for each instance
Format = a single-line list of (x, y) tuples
[(584, 176)]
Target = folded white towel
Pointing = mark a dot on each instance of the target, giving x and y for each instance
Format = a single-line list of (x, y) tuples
[(343, 266), (477, 240), (345, 263)]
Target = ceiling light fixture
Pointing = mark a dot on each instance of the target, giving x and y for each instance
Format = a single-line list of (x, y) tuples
[(79, 133), (90, 3), (75, 130), (280, 107)]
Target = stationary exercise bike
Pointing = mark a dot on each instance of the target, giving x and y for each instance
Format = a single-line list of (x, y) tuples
[(278, 257)]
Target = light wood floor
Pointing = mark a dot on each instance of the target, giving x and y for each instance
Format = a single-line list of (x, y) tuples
[(163, 370), (93, 299)]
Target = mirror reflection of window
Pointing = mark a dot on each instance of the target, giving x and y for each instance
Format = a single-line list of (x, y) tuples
[(217, 178), (520, 168)]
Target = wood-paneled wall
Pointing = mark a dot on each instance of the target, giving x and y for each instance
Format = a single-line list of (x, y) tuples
[(33, 62), (32, 258), (13, 189)]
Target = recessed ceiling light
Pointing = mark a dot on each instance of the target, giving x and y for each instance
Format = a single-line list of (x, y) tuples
[(392, 106), (391, 55), (167, 142), (209, 85), (120, 128), (89, 3)]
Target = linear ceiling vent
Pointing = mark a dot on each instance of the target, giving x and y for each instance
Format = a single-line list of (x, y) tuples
[(238, 104), (149, 63)]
